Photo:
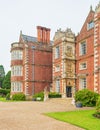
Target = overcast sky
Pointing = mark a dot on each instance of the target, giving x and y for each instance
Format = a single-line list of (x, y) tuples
[(25, 15)]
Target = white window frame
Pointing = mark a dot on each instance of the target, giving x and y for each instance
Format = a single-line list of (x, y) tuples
[(83, 83), (82, 48), (16, 86), (83, 65), (58, 85), (90, 25), (17, 55), (57, 52), (16, 70)]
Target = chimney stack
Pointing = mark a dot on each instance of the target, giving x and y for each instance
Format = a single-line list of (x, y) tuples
[(43, 34)]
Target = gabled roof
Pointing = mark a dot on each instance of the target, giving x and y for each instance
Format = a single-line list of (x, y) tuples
[(89, 18), (85, 31), (29, 38)]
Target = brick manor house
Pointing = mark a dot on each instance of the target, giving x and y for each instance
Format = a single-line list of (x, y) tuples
[(31, 63), (68, 64)]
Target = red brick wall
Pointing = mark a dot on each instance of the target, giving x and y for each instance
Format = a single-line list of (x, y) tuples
[(42, 69), (39, 69), (88, 36)]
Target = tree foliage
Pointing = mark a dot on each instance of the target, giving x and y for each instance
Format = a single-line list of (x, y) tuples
[(6, 82), (2, 75)]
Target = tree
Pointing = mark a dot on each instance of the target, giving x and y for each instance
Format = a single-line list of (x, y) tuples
[(6, 82), (2, 74)]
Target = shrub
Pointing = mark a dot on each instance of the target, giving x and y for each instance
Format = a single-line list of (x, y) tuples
[(88, 98), (4, 92), (19, 97), (97, 113), (98, 105), (8, 96), (54, 95), (39, 96)]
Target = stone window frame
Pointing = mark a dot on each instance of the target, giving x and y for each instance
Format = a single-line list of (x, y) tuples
[(16, 86), (17, 70), (82, 48), (82, 83), (57, 83), (90, 25), (57, 52), (83, 65), (17, 55)]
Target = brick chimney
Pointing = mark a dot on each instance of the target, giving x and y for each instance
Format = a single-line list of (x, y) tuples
[(48, 35), (43, 34)]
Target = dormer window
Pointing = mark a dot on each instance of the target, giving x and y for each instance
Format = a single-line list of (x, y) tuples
[(90, 25)]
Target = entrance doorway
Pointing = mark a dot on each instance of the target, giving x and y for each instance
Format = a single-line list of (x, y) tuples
[(69, 91)]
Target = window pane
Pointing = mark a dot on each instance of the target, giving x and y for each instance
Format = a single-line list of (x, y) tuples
[(83, 48), (90, 25), (57, 52), (58, 85), (16, 86), (16, 71), (83, 83), (18, 54), (83, 65)]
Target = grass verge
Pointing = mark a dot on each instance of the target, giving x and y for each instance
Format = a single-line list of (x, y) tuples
[(82, 118)]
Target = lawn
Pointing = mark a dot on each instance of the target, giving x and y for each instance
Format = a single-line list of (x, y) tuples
[(81, 118), (3, 99)]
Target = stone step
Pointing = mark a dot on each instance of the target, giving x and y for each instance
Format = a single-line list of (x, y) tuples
[(60, 100)]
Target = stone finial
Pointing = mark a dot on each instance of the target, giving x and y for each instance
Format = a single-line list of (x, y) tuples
[(20, 32), (59, 30), (97, 9), (91, 8), (69, 31)]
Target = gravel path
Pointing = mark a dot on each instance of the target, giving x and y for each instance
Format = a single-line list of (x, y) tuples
[(29, 115)]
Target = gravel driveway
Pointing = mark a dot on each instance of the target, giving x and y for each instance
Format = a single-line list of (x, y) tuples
[(29, 115)]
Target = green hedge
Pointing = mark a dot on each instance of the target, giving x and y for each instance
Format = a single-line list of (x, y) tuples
[(87, 97), (19, 97), (54, 95), (39, 96), (4, 92)]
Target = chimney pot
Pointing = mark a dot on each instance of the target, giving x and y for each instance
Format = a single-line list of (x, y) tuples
[(43, 34)]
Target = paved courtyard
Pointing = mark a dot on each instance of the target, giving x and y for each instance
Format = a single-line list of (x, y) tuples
[(29, 115)]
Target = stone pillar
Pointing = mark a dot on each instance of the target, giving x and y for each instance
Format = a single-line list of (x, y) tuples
[(97, 49), (64, 88)]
